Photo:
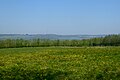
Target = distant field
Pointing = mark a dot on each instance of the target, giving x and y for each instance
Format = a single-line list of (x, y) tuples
[(47, 36), (60, 63)]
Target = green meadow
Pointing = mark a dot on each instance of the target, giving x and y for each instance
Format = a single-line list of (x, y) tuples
[(60, 63)]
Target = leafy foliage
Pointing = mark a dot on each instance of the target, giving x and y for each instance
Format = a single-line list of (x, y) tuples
[(58, 63)]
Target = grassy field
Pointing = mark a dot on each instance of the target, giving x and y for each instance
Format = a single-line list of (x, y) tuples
[(58, 63)]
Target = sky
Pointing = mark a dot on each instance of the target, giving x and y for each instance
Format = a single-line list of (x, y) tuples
[(66, 17)]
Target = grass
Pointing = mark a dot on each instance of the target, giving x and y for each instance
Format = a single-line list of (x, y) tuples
[(58, 63)]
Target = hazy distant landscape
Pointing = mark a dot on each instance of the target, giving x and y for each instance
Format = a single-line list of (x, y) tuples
[(48, 36)]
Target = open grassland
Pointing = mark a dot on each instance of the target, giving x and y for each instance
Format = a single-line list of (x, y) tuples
[(58, 63)]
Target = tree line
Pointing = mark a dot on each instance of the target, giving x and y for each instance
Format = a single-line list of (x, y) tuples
[(109, 40)]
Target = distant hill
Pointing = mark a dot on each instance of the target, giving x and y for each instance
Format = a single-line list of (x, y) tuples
[(47, 36)]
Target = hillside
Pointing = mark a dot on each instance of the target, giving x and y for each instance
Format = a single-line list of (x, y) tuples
[(47, 36)]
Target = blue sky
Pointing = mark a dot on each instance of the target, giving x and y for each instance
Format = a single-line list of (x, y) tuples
[(60, 16)]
